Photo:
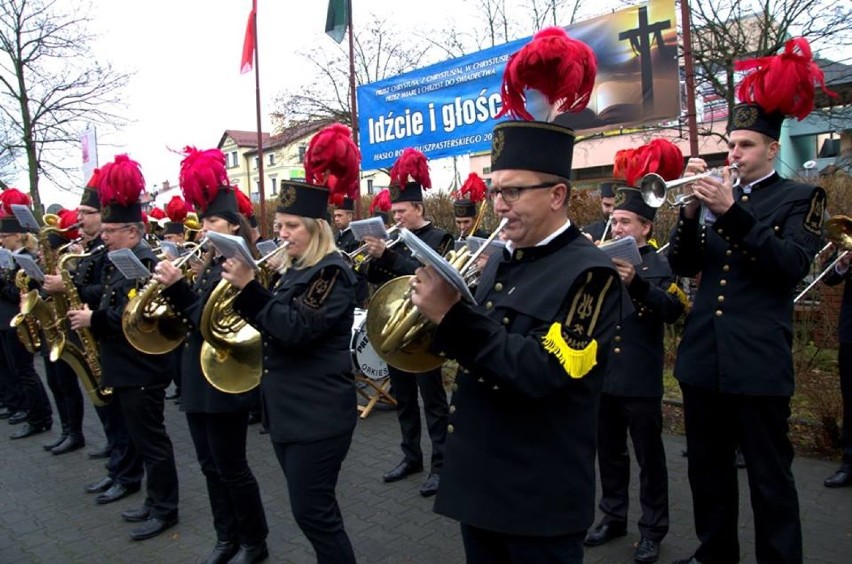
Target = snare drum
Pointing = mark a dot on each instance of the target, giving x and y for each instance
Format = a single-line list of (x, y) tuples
[(365, 360)]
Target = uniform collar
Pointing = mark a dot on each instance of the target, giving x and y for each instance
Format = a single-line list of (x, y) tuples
[(761, 183), (551, 243), (511, 247)]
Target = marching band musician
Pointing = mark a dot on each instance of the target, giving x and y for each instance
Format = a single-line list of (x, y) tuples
[(60, 377), (734, 362), (520, 469), (139, 379), (471, 193), (631, 399), (174, 231), (408, 211), (218, 421), (607, 189), (346, 241), (28, 401), (307, 388)]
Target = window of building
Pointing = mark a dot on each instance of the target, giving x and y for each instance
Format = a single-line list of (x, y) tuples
[(271, 159), (256, 162), (235, 159), (274, 182), (302, 150), (369, 186)]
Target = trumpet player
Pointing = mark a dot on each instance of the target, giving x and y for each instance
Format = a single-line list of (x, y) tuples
[(631, 399), (409, 177), (138, 379), (218, 421), (734, 362), (601, 228), (347, 244)]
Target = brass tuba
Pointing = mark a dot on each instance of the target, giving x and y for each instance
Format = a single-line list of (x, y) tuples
[(149, 324), (400, 335), (231, 353)]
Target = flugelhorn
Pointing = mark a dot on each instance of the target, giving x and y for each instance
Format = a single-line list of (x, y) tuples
[(655, 191), (401, 336), (231, 353), (838, 230), (355, 256)]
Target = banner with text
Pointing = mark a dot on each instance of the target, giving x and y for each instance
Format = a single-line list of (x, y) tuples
[(450, 108)]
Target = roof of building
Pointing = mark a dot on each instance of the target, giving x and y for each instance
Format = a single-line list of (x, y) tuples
[(285, 137)]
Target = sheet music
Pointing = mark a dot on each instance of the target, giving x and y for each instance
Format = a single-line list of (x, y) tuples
[(372, 227), (29, 266), (170, 249), (230, 246), (6, 260), (128, 264), (624, 249), (265, 247), (494, 246), (428, 256), (25, 217)]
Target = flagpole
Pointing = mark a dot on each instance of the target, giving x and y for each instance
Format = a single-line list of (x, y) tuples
[(352, 97), (262, 193)]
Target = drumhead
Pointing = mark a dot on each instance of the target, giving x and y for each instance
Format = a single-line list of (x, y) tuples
[(365, 360)]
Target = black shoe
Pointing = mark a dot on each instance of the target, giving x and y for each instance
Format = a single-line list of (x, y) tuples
[(152, 527), (137, 515), (100, 486), (605, 532), (55, 442), (5, 413), (222, 552), (30, 429), (115, 492), (647, 551), (102, 453), (250, 553), (839, 479), (71, 443), (17, 417), (402, 470), (430, 486)]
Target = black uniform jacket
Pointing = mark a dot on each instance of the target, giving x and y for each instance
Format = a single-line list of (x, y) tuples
[(10, 295), (306, 325), (844, 326), (636, 358), (87, 275), (124, 366), (520, 451), (346, 241), (738, 336), (596, 230), (197, 395), (398, 261)]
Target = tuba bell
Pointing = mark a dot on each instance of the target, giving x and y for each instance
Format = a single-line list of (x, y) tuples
[(231, 353), (401, 336)]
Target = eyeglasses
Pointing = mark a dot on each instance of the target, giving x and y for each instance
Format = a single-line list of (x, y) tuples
[(111, 230), (512, 193), (87, 212)]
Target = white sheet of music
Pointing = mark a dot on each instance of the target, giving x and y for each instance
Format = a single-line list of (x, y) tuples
[(25, 217), (6, 260), (29, 266), (171, 249), (624, 249), (494, 246), (372, 227), (230, 246), (128, 264), (265, 247), (428, 256)]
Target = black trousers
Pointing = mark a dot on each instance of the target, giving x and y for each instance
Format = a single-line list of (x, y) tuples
[(67, 396), (19, 362), (124, 464), (844, 358), (13, 393), (311, 470), (142, 409), (643, 417), (404, 386), (220, 445), (489, 547), (715, 424)]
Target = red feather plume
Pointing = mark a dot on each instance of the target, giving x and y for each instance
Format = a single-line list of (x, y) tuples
[(381, 202), (474, 188), (176, 209), (95, 179), (67, 218), (157, 213), (561, 68), (660, 156), (333, 160), (202, 173), (121, 182), (783, 83), (244, 204), (411, 164), (12, 196), (621, 162)]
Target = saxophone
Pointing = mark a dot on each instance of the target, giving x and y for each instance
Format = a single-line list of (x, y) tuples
[(85, 362), (25, 325)]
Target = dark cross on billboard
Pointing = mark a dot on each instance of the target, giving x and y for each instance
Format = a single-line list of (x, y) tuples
[(640, 41)]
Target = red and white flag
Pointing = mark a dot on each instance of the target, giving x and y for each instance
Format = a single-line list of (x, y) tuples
[(250, 41)]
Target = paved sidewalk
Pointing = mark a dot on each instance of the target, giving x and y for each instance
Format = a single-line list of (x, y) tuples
[(46, 517)]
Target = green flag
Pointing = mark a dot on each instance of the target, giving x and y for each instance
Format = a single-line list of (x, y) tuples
[(337, 19)]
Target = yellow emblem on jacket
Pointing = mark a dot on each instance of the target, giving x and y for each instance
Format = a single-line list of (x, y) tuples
[(576, 362)]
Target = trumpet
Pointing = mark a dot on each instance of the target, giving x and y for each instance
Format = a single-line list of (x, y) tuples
[(355, 256), (401, 336), (838, 230), (231, 352), (656, 191)]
